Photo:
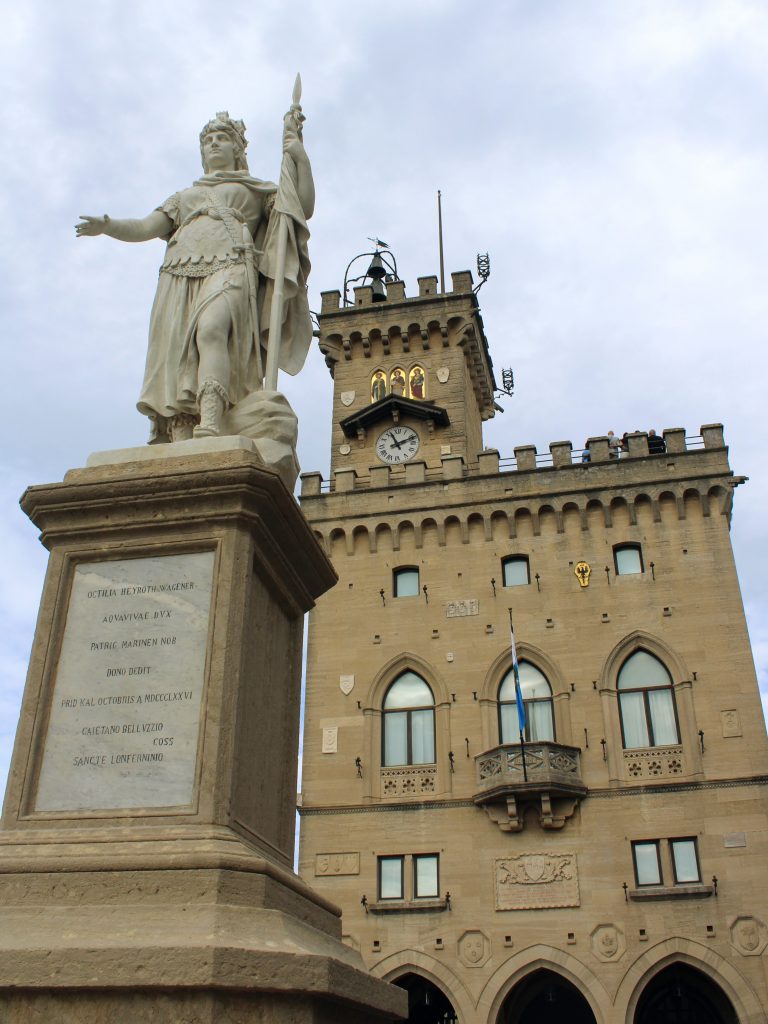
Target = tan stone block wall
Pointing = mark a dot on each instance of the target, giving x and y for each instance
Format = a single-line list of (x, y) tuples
[(687, 610)]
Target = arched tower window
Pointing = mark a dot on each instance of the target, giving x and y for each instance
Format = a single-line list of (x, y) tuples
[(537, 699), (409, 722), (646, 703)]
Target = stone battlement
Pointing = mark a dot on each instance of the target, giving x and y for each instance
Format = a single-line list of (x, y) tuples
[(461, 282), (561, 456)]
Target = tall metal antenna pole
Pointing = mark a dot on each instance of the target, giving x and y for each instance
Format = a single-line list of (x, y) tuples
[(440, 238)]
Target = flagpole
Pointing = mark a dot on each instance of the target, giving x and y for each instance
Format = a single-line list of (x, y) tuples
[(518, 697)]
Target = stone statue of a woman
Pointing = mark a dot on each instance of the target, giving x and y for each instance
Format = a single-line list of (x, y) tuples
[(209, 326)]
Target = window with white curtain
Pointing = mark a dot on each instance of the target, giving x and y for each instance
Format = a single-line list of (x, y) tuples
[(646, 703), (628, 559), (421, 882), (647, 863), (405, 581), (408, 722), (685, 860), (425, 876), (652, 859), (391, 878), (515, 571), (537, 699)]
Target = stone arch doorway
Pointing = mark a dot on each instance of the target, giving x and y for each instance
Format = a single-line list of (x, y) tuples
[(545, 997), (681, 994), (427, 1004)]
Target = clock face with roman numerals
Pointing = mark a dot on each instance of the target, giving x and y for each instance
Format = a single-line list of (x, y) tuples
[(398, 444)]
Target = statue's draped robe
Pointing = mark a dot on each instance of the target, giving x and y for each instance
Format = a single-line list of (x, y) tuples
[(203, 265)]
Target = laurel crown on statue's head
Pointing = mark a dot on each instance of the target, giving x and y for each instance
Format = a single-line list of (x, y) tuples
[(236, 129)]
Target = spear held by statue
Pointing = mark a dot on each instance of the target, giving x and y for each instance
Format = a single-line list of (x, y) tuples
[(292, 122)]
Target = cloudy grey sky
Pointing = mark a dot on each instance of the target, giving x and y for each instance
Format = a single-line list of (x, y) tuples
[(610, 156)]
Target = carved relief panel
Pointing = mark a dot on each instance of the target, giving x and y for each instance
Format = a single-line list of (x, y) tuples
[(537, 880), (408, 781), (337, 864), (659, 762)]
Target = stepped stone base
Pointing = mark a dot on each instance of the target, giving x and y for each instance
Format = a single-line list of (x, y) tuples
[(137, 888)]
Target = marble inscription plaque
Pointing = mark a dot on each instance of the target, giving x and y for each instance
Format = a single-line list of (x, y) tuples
[(537, 880), (125, 713)]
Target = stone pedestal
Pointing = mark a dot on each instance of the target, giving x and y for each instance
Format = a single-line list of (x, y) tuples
[(147, 842)]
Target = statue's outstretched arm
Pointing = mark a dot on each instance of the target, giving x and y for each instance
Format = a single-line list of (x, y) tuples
[(156, 225)]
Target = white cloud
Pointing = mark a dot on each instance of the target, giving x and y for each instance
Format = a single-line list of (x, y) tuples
[(611, 157)]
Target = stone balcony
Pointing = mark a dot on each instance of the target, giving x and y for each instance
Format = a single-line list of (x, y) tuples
[(512, 777)]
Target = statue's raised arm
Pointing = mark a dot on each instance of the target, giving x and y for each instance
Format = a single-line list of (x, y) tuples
[(219, 283)]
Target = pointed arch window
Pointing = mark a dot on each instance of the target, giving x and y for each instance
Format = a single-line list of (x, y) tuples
[(537, 698), (646, 703), (408, 722)]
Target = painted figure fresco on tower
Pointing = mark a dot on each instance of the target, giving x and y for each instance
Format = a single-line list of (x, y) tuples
[(397, 382), (378, 386), (416, 382)]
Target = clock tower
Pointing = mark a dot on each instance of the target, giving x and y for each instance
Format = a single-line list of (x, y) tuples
[(413, 379)]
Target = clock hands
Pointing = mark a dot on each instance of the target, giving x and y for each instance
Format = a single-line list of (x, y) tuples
[(393, 449)]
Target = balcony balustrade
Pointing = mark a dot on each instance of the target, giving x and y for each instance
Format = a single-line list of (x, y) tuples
[(513, 776)]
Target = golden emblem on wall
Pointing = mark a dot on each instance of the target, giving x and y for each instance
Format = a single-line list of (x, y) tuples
[(582, 572)]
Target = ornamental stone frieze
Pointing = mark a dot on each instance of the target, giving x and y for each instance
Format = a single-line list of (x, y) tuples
[(397, 782), (656, 763)]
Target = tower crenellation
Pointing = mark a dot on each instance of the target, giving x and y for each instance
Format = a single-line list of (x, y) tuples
[(427, 354)]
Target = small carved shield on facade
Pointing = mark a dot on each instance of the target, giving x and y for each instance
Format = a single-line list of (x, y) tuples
[(346, 683), (347, 397), (443, 373), (474, 948), (535, 867), (748, 936), (607, 942), (731, 723)]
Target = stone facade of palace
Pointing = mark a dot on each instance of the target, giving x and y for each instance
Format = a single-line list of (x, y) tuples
[(612, 868)]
